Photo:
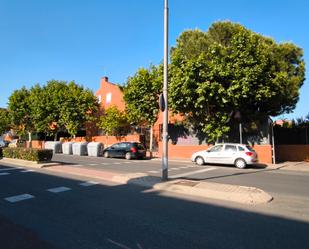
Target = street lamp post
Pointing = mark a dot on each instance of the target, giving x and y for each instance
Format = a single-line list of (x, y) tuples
[(165, 87)]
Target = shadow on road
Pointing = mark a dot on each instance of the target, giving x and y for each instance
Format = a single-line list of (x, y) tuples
[(132, 216)]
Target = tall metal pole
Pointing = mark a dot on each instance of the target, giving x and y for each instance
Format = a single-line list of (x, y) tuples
[(240, 133), (165, 87), (273, 142)]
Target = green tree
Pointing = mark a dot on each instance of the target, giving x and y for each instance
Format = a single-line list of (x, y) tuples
[(78, 106), (19, 111), (141, 95), (56, 106), (230, 68), (112, 121), (4, 120)]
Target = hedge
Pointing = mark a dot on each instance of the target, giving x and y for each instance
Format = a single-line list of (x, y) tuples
[(30, 154)]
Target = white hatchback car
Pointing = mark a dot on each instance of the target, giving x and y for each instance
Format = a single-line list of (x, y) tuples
[(240, 155)]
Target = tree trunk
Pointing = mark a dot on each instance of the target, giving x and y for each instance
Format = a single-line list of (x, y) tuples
[(30, 139)]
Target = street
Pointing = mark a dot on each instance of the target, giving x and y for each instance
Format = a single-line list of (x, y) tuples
[(67, 211)]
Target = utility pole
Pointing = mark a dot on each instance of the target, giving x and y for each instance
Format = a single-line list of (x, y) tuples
[(165, 87)]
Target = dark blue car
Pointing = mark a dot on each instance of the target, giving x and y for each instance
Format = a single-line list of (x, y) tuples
[(127, 150)]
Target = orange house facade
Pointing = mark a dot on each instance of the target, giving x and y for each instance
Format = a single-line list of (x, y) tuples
[(110, 94)]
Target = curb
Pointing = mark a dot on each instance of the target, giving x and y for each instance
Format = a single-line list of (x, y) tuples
[(31, 164), (225, 192)]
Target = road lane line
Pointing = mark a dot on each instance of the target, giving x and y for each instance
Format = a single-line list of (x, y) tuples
[(117, 163), (118, 244), (58, 189), (154, 171), (93, 164), (192, 172), (4, 173), (17, 198), (89, 183), (26, 170)]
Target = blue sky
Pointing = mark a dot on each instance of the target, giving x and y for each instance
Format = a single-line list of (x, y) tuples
[(86, 40)]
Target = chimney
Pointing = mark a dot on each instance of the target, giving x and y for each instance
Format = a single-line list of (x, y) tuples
[(103, 80)]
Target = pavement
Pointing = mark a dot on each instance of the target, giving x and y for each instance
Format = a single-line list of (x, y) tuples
[(226, 192), (288, 165)]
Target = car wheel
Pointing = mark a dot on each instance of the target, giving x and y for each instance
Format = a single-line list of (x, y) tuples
[(106, 154), (240, 163), (128, 156), (199, 160)]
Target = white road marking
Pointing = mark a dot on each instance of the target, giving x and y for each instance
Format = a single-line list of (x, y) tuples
[(77, 165), (7, 169), (118, 244), (192, 172), (104, 163), (58, 189), (117, 163), (27, 170), (89, 183), (17, 198), (93, 164), (127, 162), (175, 168), (153, 171), (4, 173)]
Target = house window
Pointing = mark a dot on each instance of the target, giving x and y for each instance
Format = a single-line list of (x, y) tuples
[(108, 98), (99, 98)]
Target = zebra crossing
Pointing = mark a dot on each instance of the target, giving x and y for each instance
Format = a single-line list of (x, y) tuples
[(28, 196)]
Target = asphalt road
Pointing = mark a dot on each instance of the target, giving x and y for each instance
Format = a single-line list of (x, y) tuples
[(62, 212), (271, 180)]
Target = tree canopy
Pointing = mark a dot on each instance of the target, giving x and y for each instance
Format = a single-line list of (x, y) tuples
[(4, 121), (19, 111), (58, 105), (112, 121), (141, 94), (230, 68)]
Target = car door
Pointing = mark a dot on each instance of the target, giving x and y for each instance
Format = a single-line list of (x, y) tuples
[(123, 148), (228, 154), (213, 155), (113, 150)]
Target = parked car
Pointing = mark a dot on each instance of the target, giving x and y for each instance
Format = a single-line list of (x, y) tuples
[(240, 155), (127, 150)]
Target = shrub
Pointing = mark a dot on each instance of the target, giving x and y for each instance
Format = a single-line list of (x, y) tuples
[(29, 154)]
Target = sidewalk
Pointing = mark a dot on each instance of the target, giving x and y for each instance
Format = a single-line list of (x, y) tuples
[(297, 166), (294, 166)]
